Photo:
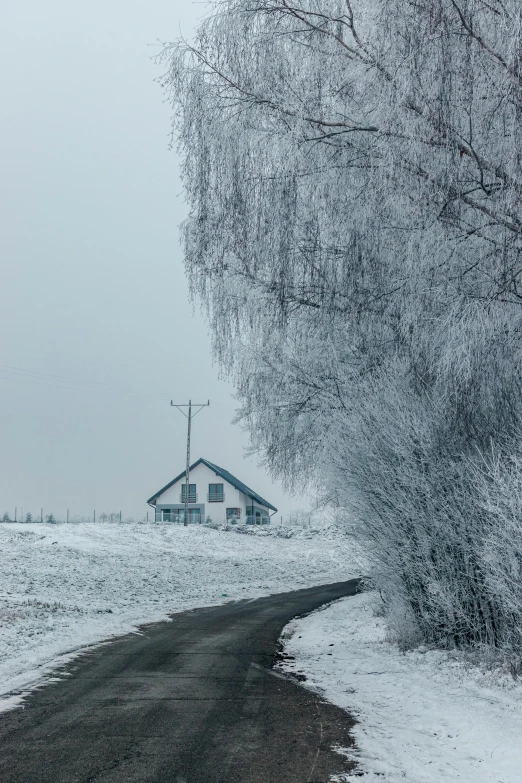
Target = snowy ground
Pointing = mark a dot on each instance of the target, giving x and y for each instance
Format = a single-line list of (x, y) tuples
[(423, 716), (64, 586)]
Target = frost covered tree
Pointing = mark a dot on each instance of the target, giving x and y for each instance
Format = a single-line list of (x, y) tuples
[(353, 170), (300, 517)]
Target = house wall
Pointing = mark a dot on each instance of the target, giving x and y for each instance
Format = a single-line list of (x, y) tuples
[(259, 512), (202, 476)]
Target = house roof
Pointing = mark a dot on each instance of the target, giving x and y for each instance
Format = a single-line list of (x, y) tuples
[(224, 474)]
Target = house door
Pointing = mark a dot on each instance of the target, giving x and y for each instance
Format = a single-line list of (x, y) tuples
[(194, 516)]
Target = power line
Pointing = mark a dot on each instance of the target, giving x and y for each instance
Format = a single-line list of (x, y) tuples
[(38, 378), (64, 382)]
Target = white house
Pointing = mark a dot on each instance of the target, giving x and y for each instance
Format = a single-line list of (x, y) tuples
[(215, 495)]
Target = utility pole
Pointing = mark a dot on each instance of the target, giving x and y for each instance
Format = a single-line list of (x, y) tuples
[(190, 416)]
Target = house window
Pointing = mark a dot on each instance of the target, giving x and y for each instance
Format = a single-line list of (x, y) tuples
[(253, 516), (192, 496), (233, 515), (194, 516), (215, 493), (166, 514)]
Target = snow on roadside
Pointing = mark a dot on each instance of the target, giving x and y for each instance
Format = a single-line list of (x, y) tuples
[(330, 532), (423, 717), (66, 586)]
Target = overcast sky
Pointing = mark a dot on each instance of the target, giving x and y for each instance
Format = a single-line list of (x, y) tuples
[(93, 288)]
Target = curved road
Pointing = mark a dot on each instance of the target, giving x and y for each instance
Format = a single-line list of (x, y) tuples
[(189, 701)]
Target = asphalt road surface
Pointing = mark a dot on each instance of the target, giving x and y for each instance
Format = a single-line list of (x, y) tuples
[(194, 700)]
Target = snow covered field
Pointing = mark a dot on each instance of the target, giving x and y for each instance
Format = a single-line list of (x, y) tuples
[(66, 586), (423, 717)]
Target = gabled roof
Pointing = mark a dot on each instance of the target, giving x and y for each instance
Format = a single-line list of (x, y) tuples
[(224, 474)]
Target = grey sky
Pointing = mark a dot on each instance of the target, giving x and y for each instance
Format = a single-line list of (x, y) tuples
[(93, 287)]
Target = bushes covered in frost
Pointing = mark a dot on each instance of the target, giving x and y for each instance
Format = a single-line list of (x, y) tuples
[(354, 174)]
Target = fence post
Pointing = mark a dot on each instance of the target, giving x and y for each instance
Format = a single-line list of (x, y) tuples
[(94, 516), (67, 515), (16, 512), (41, 515)]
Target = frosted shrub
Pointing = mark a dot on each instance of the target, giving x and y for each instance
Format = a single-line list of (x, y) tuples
[(499, 484), (353, 170)]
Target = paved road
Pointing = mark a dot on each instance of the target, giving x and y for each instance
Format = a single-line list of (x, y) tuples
[(189, 701)]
